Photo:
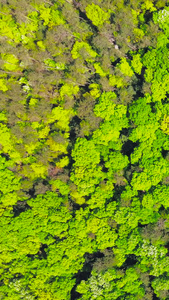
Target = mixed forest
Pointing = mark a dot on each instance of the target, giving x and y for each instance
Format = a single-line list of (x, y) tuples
[(84, 149)]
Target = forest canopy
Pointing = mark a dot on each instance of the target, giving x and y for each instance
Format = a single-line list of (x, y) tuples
[(84, 149)]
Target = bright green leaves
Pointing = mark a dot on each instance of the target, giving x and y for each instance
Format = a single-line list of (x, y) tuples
[(52, 207), (147, 153), (80, 47), (3, 85), (159, 89), (43, 228), (43, 132), (161, 195), (33, 102), (8, 181), (152, 202), (149, 202), (85, 153), (94, 90), (106, 237), (99, 70), (41, 45), (132, 276), (62, 116), (53, 65), (30, 27), (165, 124), (116, 81), (156, 61), (57, 148), (87, 172), (8, 26), (50, 15), (140, 182), (114, 116), (138, 34), (24, 235), (68, 90), (160, 285), (9, 184), (56, 18), (60, 186), (153, 173), (116, 161), (148, 5), (106, 133), (26, 31), (39, 170), (137, 64), (101, 194), (105, 108), (97, 15), (150, 59), (11, 63), (125, 67), (148, 75), (45, 14), (64, 129), (141, 113), (144, 132), (7, 143), (3, 117)]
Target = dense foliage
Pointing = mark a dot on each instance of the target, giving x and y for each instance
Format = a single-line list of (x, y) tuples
[(84, 149)]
